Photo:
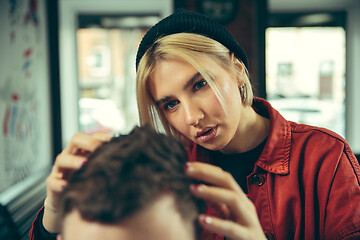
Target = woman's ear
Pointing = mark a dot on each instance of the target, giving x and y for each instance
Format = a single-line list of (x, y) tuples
[(239, 64), (239, 68)]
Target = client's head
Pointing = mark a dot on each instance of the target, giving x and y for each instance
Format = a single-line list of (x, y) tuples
[(133, 187)]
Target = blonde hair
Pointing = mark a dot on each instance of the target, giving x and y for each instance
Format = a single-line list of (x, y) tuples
[(190, 48)]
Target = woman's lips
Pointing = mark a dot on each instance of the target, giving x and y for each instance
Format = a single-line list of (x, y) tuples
[(206, 134)]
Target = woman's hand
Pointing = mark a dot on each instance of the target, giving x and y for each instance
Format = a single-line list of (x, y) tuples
[(70, 160), (241, 220)]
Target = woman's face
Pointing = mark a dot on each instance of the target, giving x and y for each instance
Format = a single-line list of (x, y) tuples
[(191, 106)]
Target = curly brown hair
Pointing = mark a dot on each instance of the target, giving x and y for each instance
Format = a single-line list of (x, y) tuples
[(127, 174)]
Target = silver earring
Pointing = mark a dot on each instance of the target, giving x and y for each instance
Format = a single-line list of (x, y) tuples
[(243, 93)]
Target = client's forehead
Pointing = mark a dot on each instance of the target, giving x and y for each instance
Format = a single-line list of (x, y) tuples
[(160, 220)]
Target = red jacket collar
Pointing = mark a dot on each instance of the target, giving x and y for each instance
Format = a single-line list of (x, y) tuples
[(275, 156)]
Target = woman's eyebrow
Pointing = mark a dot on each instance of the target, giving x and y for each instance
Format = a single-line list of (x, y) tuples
[(189, 83)]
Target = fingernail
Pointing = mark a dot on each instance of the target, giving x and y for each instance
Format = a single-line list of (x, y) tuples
[(196, 187), (207, 220), (59, 175), (84, 161), (188, 168)]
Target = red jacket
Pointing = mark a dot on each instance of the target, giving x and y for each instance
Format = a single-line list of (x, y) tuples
[(305, 185), (306, 182)]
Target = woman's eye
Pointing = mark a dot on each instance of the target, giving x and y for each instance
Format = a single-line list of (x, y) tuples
[(170, 105), (199, 85)]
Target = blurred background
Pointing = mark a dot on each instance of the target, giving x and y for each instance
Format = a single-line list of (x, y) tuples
[(69, 65)]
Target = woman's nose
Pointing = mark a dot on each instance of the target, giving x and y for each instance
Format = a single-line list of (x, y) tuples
[(193, 114)]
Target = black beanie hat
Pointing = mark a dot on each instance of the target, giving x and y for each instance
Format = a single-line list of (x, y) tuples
[(190, 22)]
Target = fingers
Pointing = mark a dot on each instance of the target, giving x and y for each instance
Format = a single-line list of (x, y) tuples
[(71, 159), (213, 175), (241, 223), (102, 136), (85, 142), (56, 184), (228, 228), (75, 154), (241, 220), (67, 161), (241, 208), (64, 166)]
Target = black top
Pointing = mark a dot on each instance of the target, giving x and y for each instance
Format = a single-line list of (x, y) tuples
[(44, 235), (240, 165)]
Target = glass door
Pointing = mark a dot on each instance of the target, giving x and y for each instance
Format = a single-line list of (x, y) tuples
[(97, 48), (106, 72)]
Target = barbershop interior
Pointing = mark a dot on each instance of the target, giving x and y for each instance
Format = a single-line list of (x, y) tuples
[(68, 66)]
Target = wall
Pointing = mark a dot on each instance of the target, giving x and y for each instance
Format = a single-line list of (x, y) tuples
[(25, 113), (353, 77), (25, 138)]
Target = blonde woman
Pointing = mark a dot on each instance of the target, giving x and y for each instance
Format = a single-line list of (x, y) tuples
[(263, 177)]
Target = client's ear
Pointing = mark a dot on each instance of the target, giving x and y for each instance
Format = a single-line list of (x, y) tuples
[(59, 237)]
